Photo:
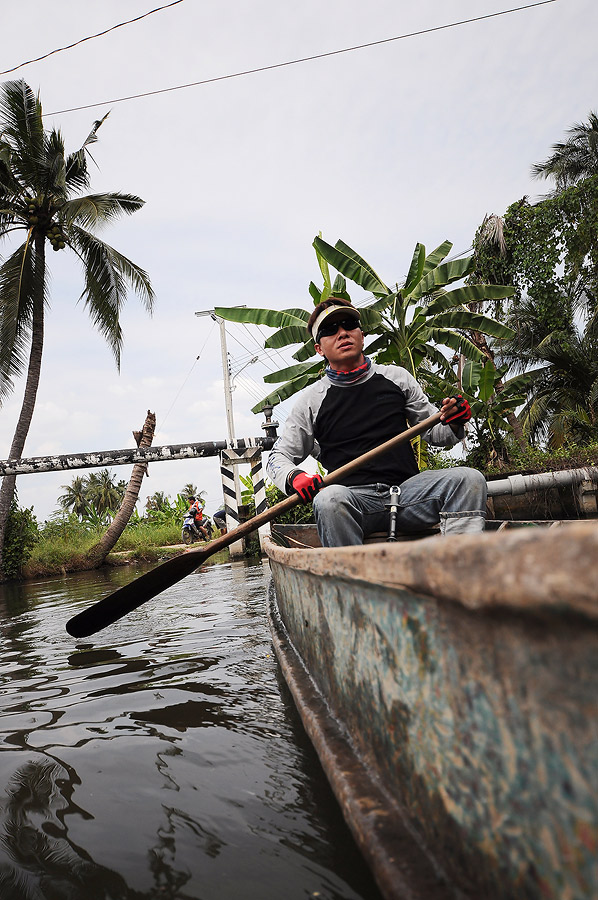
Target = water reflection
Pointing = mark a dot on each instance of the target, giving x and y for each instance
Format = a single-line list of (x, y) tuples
[(162, 758), (40, 859)]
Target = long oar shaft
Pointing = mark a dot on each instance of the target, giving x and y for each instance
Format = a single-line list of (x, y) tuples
[(140, 590)]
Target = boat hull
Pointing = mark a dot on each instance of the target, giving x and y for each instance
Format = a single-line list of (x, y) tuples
[(468, 713)]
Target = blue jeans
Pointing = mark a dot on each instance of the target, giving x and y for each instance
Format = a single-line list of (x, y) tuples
[(455, 498)]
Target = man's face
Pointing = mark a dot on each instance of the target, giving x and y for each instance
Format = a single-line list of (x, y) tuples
[(344, 349)]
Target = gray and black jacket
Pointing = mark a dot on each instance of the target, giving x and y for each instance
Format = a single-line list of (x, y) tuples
[(337, 423)]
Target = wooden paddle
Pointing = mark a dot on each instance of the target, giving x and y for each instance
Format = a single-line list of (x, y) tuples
[(140, 590)]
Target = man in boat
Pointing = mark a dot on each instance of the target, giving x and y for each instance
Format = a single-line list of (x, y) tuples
[(355, 407)]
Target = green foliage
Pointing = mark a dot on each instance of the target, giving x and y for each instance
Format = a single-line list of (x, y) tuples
[(62, 540), (535, 459), (94, 498), (161, 511), (40, 195), (298, 515), (550, 254), (409, 325), (149, 534), (21, 537), (573, 160), (302, 514)]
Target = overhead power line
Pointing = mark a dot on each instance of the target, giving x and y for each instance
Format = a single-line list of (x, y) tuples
[(303, 59), (90, 37)]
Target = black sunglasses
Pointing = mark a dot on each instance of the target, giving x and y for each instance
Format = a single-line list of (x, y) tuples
[(330, 328)]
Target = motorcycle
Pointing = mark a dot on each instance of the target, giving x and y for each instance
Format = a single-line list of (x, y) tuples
[(191, 532)]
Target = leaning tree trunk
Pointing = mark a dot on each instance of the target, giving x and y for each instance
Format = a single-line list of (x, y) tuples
[(7, 489), (98, 553)]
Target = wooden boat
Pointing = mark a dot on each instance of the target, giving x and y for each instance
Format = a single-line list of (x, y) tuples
[(450, 688)]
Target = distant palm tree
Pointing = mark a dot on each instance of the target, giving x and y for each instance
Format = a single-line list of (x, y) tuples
[(574, 159), (158, 500), (74, 497), (40, 194), (104, 495), (562, 405), (189, 490)]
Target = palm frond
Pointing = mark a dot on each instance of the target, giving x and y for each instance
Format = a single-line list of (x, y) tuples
[(107, 276), (96, 210), (17, 286), (23, 129)]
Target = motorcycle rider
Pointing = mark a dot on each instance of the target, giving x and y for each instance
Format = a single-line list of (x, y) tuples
[(196, 510)]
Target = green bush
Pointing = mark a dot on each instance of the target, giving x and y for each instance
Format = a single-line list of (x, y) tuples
[(534, 459), (21, 536), (62, 539), (145, 534)]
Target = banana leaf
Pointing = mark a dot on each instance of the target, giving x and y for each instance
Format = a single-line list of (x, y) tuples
[(284, 392), (315, 293), (305, 352), (349, 263), (295, 371), (436, 256), (470, 378), (416, 269), (272, 317), (442, 275), (456, 342), (292, 334), (471, 293), (469, 321), (487, 381)]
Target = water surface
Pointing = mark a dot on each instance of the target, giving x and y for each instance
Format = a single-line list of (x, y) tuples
[(162, 758)]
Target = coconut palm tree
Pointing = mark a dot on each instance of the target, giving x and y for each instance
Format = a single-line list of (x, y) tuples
[(189, 490), (103, 494), (41, 194), (75, 496), (562, 366), (573, 160)]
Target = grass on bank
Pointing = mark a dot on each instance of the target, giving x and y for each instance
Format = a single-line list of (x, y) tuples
[(63, 543)]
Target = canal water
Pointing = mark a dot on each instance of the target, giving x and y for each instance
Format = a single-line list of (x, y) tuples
[(162, 758)]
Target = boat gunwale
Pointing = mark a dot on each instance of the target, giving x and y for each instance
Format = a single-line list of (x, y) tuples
[(528, 570)]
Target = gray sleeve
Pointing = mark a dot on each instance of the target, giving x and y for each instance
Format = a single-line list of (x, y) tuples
[(295, 444), (419, 408)]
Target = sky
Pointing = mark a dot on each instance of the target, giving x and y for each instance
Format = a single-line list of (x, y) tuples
[(410, 140)]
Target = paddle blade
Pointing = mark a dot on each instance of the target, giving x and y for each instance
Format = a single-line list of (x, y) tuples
[(140, 590)]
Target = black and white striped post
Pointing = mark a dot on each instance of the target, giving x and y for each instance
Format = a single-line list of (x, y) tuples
[(230, 458)]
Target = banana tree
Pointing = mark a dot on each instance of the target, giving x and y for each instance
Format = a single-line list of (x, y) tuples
[(421, 317), (493, 402), (291, 329), (408, 325)]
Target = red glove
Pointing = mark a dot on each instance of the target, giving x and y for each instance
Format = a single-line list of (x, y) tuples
[(461, 412), (307, 486)]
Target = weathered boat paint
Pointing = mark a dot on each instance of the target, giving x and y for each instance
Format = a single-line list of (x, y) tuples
[(464, 675)]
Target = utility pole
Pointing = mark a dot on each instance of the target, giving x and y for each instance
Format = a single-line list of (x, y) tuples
[(237, 548), (228, 397)]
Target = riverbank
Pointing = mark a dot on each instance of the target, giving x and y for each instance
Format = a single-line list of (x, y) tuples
[(40, 568)]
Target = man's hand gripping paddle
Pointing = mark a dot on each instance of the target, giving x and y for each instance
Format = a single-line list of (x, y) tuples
[(116, 605)]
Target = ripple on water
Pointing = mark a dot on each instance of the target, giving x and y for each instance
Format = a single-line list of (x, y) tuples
[(162, 757)]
